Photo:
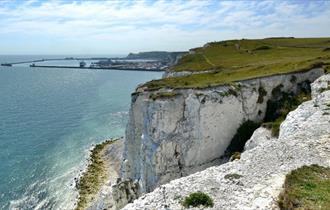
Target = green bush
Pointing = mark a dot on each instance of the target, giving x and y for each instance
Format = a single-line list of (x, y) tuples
[(235, 156), (282, 103), (306, 188), (162, 95), (232, 176), (264, 47), (197, 199)]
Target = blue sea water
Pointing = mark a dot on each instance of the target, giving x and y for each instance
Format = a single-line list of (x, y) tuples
[(49, 119)]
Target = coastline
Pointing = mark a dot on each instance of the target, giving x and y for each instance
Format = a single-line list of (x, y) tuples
[(102, 170)]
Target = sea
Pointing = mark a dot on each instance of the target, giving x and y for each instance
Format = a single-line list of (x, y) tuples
[(49, 120)]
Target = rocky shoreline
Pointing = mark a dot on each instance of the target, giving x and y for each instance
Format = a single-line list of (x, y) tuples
[(94, 183)]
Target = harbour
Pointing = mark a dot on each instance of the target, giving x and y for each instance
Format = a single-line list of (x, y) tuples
[(128, 63), (122, 68)]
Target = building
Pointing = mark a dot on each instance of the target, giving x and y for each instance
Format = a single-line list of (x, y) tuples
[(82, 64)]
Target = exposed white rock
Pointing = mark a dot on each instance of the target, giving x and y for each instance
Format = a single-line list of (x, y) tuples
[(177, 136), (260, 136), (183, 73), (320, 85), (304, 139)]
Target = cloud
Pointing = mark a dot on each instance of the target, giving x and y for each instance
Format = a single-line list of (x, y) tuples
[(123, 26)]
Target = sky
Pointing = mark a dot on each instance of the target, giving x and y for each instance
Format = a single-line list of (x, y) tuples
[(120, 27)]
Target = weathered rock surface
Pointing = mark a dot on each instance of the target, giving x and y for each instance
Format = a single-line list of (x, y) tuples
[(171, 137), (254, 181), (124, 191), (113, 158), (259, 136)]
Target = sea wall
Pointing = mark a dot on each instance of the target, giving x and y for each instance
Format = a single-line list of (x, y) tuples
[(173, 135)]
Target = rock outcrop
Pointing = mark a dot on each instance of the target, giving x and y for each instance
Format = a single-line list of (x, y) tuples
[(174, 133), (254, 181), (259, 136)]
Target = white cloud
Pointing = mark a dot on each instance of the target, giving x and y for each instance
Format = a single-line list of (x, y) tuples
[(122, 26)]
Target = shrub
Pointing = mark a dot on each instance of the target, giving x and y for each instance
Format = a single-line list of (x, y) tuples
[(264, 47), (197, 199), (232, 176), (235, 156), (162, 95), (306, 188), (326, 49)]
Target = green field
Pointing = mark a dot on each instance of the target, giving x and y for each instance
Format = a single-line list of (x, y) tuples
[(235, 60)]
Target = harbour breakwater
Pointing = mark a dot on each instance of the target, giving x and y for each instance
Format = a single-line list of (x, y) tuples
[(99, 68)]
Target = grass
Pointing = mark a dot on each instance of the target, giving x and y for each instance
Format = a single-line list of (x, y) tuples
[(93, 178), (306, 188), (254, 58), (162, 95), (198, 199)]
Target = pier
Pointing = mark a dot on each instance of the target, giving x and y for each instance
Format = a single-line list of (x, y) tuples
[(122, 64), (55, 59), (99, 68)]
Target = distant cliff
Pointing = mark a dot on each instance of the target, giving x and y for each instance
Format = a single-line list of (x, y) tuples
[(168, 57)]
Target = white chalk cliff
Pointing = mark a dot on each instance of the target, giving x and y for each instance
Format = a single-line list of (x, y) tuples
[(170, 138)]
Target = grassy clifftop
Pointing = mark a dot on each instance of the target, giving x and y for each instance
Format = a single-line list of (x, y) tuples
[(235, 60)]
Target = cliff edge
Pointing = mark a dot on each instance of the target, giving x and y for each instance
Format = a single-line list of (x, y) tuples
[(255, 180), (172, 133)]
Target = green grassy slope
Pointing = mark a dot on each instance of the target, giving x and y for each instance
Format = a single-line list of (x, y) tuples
[(235, 60), (306, 188)]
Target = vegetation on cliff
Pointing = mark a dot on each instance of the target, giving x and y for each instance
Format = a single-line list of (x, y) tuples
[(282, 103), (93, 178), (305, 188), (163, 95), (234, 60), (198, 199), (244, 132)]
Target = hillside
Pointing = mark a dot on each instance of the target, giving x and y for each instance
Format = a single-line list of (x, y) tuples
[(234, 60), (178, 128), (168, 57)]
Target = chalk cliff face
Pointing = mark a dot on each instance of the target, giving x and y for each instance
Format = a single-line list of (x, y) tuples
[(177, 134), (254, 181)]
